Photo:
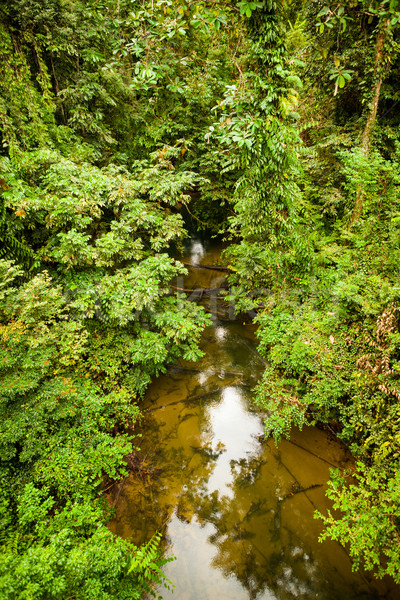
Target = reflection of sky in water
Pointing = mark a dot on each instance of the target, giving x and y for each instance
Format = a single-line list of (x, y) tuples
[(233, 430), (196, 251), (191, 544), (205, 375), (221, 334)]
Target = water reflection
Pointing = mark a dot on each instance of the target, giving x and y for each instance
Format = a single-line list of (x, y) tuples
[(237, 511), (233, 429), (197, 251)]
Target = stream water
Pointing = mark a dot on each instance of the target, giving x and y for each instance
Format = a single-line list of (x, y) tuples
[(236, 510)]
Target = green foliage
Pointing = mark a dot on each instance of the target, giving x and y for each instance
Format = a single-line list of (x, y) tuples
[(80, 341), (369, 503), (333, 351), (72, 552), (326, 295), (119, 122), (91, 194), (57, 445), (256, 130)]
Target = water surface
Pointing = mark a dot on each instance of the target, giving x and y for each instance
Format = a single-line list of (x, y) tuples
[(236, 510)]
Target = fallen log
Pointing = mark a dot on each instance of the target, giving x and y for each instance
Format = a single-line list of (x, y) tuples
[(200, 291), (211, 267)]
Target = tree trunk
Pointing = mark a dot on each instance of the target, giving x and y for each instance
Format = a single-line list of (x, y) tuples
[(373, 108)]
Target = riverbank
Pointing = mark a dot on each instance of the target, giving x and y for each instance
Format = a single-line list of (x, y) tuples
[(235, 509)]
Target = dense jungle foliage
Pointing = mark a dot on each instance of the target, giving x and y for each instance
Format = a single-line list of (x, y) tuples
[(274, 123)]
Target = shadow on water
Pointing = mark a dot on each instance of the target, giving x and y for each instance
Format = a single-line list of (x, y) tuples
[(236, 510)]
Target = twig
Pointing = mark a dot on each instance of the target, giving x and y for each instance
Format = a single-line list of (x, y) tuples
[(299, 491)]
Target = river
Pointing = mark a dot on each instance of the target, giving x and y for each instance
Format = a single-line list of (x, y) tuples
[(236, 510)]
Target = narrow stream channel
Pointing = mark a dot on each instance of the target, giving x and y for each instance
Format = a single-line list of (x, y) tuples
[(236, 510)]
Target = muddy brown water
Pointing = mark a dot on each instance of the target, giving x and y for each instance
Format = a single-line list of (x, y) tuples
[(236, 510)]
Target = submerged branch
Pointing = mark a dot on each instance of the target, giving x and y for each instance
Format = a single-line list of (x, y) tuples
[(211, 267)]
